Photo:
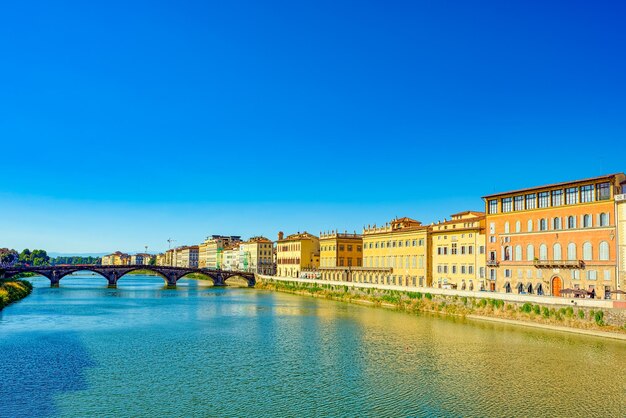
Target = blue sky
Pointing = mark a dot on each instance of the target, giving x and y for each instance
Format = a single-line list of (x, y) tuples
[(123, 123)]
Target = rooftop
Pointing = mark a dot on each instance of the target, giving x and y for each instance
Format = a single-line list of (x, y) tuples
[(566, 183)]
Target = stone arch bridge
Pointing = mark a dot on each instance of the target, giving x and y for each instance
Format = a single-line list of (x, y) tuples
[(113, 273)]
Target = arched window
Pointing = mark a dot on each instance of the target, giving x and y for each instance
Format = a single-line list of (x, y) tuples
[(530, 225), (506, 227), (556, 251), (556, 223), (571, 251), (604, 219), (530, 252), (518, 253), (586, 221), (543, 225), (604, 251), (587, 251), (571, 222), (543, 252), (518, 226), (507, 253)]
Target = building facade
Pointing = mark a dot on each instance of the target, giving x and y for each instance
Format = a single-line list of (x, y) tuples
[(340, 253), (296, 253), (396, 254), (117, 258), (541, 240), (187, 256), (458, 252), (256, 256), (141, 259), (214, 249)]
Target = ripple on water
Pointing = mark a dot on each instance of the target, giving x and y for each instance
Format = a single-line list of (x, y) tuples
[(143, 351)]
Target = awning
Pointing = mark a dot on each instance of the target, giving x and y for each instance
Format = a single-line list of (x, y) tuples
[(507, 284)]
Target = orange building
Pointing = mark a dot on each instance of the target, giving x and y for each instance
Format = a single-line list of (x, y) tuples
[(543, 239)]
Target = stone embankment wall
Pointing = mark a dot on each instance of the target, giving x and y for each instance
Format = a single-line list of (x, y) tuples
[(579, 314)]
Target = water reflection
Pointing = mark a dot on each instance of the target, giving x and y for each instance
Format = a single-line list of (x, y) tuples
[(141, 350)]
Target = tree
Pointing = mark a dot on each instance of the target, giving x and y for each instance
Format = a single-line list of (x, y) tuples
[(25, 257), (8, 257)]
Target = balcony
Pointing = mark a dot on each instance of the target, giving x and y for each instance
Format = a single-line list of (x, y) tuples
[(565, 264), (492, 263)]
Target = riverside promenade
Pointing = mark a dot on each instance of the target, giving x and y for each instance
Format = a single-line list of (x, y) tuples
[(506, 297)]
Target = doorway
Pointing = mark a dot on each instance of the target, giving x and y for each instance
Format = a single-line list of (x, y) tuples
[(557, 285)]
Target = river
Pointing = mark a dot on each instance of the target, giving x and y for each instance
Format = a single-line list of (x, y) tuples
[(145, 351)]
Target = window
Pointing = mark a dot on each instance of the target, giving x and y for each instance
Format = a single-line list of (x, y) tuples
[(557, 197), (543, 225), (604, 219), (454, 250), (586, 221), (454, 269), (530, 252), (603, 191), (493, 206), (571, 251), (492, 274), (607, 274), (556, 251), (470, 249), (531, 201), (571, 195), (507, 204), (507, 272), (592, 275), (349, 247), (518, 253), (575, 275), (507, 253), (506, 227), (604, 251), (543, 252), (481, 249), (481, 272), (462, 249), (586, 194), (530, 225), (587, 251), (571, 222), (544, 199), (556, 223), (518, 227)]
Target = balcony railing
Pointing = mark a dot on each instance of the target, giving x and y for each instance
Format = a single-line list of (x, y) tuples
[(492, 263), (566, 264)]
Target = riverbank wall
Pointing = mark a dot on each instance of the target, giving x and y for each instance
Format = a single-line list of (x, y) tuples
[(12, 290), (587, 316)]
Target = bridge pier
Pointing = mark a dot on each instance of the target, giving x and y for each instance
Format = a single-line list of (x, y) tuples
[(54, 279), (218, 280), (171, 283)]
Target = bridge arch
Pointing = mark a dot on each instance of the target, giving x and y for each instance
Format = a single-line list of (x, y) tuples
[(124, 271), (201, 273), (247, 278)]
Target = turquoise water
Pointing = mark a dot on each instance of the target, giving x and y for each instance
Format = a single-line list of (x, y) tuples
[(145, 351)]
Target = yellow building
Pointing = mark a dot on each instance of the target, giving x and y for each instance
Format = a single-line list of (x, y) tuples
[(296, 253), (256, 255), (140, 259), (160, 259), (339, 253), (458, 252), (396, 254), (203, 255), (117, 258), (187, 256)]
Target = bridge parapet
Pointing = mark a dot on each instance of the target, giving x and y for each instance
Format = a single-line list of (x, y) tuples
[(113, 273)]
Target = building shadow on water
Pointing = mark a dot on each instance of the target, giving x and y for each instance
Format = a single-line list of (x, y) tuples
[(36, 368)]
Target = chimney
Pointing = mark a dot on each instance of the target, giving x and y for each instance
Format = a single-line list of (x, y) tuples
[(281, 235)]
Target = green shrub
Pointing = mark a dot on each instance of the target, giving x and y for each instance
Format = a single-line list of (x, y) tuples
[(482, 303), (581, 314), (569, 312), (428, 296), (599, 318), (545, 312), (464, 300), (526, 308), (536, 309)]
